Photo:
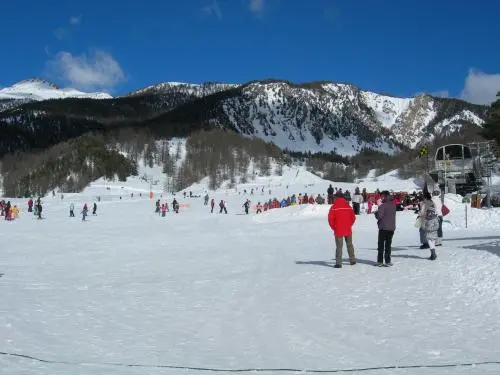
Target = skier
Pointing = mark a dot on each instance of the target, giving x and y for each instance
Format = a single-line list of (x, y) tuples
[(94, 210), (212, 204), (157, 210), (71, 210), (247, 206), (163, 210), (15, 212), (329, 193), (30, 205), (386, 221), (39, 209), (341, 218), (206, 199), (7, 210), (175, 206), (222, 206), (85, 210), (259, 208)]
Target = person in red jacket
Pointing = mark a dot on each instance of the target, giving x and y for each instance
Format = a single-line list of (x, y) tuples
[(341, 219)]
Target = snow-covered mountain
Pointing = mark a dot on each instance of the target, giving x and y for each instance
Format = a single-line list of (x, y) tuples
[(193, 89), (309, 117), (324, 116), (38, 89)]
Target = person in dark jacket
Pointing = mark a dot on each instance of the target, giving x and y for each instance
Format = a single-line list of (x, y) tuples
[(94, 209), (329, 193), (386, 220), (7, 209), (247, 206), (39, 209)]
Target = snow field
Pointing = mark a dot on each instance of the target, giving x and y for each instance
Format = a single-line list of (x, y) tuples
[(236, 291)]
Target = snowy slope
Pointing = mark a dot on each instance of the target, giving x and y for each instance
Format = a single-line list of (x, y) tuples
[(232, 292), (388, 109), (37, 89)]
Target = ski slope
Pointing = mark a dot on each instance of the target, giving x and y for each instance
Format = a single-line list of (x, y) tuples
[(233, 291)]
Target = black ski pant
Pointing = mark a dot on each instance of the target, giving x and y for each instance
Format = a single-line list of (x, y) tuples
[(384, 245), (355, 207), (440, 229)]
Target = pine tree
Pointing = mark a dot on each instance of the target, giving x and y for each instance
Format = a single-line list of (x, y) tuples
[(491, 128)]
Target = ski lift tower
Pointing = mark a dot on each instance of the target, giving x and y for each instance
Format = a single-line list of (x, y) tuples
[(487, 156), (151, 181)]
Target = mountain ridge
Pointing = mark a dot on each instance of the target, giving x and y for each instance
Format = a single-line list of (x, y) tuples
[(318, 116)]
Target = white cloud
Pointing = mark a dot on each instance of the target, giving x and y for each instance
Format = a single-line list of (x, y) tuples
[(75, 20), (61, 33), (256, 6), (46, 49), (480, 88), (212, 9), (95, 70)]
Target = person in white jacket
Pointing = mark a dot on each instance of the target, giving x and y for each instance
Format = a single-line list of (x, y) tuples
[(436, 199), (357, 199)]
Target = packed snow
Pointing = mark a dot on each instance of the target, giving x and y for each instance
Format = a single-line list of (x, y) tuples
[(232, 292), (36, 89)]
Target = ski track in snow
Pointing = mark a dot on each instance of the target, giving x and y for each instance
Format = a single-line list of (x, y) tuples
[(235, 291)]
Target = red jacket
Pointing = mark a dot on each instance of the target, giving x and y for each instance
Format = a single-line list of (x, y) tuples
[(341, 218)]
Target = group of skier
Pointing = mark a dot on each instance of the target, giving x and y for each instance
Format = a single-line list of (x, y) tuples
[(162, 208), (8, 211), (84, 212)]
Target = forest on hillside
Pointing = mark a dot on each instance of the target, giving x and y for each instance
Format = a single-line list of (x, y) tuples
[(222, 156)]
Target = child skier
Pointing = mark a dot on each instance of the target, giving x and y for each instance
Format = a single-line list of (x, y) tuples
[(85, 210)]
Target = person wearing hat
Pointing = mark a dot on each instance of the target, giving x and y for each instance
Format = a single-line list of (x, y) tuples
[(341, 218), (386, 221)]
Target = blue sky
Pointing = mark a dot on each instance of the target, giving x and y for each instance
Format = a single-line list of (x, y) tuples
[(399, 47)]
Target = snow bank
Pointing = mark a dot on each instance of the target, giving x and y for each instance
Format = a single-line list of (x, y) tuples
[(477, 218), (297, 212)]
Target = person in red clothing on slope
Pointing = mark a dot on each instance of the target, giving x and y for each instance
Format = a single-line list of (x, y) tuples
[(341, 218)]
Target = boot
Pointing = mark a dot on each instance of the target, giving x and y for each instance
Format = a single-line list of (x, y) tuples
[(338, 266), (433, 254), (438, 241)]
